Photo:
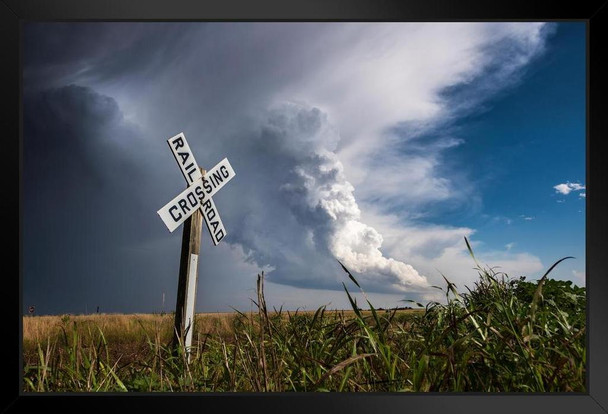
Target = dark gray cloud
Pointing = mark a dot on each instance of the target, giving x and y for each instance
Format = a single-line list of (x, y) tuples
[(54, 53), (85, 202)]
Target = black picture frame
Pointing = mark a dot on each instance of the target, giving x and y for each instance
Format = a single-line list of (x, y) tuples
[(595, 13)]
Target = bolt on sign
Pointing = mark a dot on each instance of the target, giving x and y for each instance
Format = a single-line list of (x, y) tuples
[(202, 186)]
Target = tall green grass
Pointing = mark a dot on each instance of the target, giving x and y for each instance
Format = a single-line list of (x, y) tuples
[(503, 335)]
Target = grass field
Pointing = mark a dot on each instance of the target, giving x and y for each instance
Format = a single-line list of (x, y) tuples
[(127, 335), (503, 335)]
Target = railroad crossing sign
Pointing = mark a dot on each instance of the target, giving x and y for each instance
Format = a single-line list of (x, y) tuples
[(198, 194), (189, 206)]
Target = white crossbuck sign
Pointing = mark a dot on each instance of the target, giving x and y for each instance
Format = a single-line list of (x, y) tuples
[(199, 192)]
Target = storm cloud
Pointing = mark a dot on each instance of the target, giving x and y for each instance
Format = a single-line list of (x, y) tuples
[(79, 215), (309, 216), (323, 124)]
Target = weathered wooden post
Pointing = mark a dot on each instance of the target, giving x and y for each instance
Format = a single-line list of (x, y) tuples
[(188, 275)]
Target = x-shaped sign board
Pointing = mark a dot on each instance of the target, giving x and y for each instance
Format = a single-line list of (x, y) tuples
[(199, 192)]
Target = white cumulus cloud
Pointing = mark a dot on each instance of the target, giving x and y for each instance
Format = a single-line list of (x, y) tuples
[(440, 249), (568, 187), (317, 187)]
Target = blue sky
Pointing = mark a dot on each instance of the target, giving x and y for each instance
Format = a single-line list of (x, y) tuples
[(379, 145), (529, 141)]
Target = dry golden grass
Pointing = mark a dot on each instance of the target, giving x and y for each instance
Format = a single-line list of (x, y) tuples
[(38, 329), (128, 335)]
